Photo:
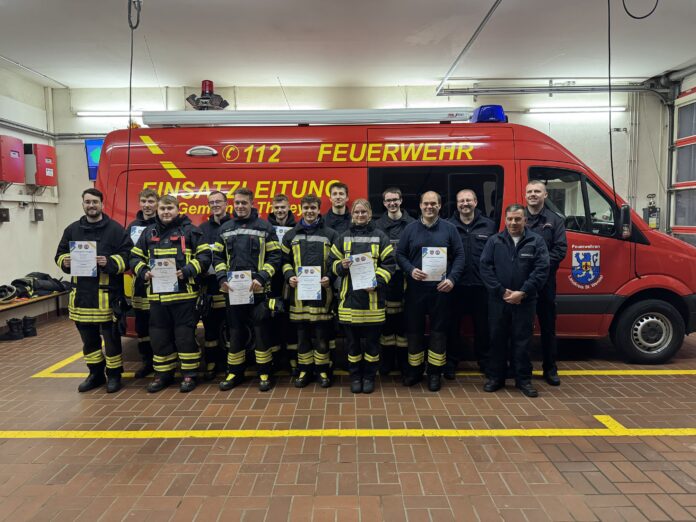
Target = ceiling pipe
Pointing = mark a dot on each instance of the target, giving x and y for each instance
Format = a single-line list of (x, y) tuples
[(467, 46), (40, 133), (677, 76), (570, 89)]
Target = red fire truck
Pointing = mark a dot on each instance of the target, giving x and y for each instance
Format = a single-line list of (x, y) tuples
[(619, 279)]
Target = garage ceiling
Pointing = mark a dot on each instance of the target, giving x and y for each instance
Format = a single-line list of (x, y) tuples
[(85, 43)]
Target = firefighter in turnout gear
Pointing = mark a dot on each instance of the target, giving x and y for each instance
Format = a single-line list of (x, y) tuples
[(173, 317), (362, 311), (429, 293), (306, 248), (247, 243), (212, 301), (284, 345), (94, 299), (393, 338), (145, 217)]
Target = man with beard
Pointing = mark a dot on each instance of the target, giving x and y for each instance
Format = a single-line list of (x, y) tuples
[(469, 296), (93, 297), (172, 239)]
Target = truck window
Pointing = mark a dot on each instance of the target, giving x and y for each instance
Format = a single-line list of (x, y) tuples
[(486, 181), (583, 206)]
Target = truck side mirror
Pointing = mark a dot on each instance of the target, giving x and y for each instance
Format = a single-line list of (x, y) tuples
[(625, 224)]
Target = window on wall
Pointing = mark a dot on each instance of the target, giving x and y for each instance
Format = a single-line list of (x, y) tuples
[(684, 175)]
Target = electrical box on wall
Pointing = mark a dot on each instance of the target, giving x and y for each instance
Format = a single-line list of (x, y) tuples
[(11, 160), (37, 215), (40, 165), (4, 215)]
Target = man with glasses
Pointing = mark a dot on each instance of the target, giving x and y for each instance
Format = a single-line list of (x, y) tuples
[(430, 253), (212, 304), (393, 338)]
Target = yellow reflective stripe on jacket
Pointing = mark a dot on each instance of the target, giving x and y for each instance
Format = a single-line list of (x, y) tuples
[(165, 251), (60, 260), (388, 250), (272, 245), (120, 263)]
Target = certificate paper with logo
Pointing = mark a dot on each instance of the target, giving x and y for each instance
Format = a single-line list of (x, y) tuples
[(83, 258), (435, 263), (309, 283), (240, 287), (163, 271), (362, 272)]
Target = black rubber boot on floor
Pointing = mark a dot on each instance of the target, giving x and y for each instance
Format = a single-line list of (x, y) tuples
[(29, 326), (15, 331), (94, 380)]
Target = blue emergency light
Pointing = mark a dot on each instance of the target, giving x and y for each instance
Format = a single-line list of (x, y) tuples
[(489, 114)]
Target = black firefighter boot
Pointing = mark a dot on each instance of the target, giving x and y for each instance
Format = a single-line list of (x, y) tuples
[(14, 332), (95, 378), (29, 326)]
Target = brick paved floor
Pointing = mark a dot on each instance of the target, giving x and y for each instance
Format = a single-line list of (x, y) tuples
[(344, 478)]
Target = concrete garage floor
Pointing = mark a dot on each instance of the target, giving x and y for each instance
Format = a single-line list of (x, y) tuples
[(605, 446)]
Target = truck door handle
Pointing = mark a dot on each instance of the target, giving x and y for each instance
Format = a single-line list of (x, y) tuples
[(201, 150)]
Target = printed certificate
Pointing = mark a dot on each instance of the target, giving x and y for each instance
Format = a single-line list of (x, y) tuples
[(83, 258), (435, 263), (362, 272), (163, 272), (240, 287), (309, 283)]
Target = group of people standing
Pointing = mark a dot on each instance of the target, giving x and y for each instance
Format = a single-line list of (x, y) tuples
[(379, 283)]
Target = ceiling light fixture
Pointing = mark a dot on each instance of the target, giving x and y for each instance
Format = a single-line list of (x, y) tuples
[(108, 114), (540, 110)]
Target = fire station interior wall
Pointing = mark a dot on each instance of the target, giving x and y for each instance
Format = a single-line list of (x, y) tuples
[(27, 246)]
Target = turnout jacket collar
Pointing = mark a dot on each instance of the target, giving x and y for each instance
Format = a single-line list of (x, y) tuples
[(102, 223), (457, 221), (140, 220), (290, 222), (253, 216), (211, 220), (181, 221)]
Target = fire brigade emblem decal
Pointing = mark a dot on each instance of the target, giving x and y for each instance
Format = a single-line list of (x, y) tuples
[(585, 272)]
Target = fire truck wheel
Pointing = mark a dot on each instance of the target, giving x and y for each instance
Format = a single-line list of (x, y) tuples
[(649, 332)]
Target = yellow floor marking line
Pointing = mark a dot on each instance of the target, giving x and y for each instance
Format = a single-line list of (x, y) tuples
[(52, 371), (611, 429)]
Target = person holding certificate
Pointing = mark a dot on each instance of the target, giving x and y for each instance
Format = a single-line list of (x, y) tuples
[(247, 246), (364, 259), (100, 248), (306, 270), (141, 305), (169, 255), (430, 252)]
